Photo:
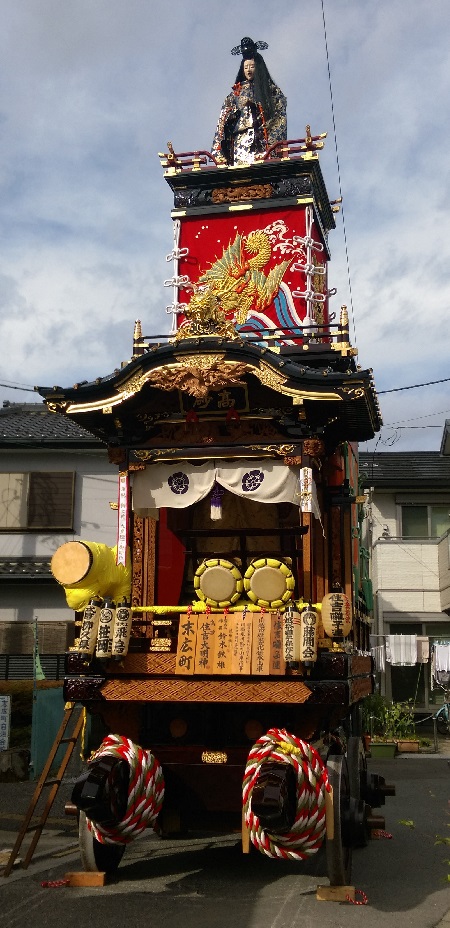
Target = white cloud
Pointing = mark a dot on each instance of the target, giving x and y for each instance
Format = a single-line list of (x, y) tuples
[(91, 91)]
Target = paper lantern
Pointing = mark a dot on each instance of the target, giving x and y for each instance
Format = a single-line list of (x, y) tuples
[(105, 629), (291, 635), (122, 630), (89, 627), (309, 630), (336, 615)]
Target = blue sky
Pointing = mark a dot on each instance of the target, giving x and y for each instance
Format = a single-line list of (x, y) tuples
[(91, 90)]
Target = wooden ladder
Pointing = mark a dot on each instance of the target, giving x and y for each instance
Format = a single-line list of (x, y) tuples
[(54, 783)]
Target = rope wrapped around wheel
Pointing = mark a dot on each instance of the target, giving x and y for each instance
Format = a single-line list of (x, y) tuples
[(308, 830), (145, 791)]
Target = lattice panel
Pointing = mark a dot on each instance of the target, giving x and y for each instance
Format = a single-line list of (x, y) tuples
[(210, 690)]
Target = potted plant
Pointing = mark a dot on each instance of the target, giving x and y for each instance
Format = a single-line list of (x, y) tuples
[(373, 708), (384, 743), (392, 726), (407, 741)]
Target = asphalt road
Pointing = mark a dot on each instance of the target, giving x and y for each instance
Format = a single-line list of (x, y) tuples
[(206, 881)]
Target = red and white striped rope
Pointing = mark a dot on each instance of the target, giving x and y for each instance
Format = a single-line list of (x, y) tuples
[(145, 791), (308, 830)]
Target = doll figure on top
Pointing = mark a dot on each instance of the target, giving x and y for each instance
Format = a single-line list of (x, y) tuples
[(253, 115)]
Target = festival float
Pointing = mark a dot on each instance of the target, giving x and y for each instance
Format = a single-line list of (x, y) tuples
[(224, 642)]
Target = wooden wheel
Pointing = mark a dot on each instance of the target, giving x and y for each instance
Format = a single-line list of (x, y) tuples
[(94, 855), (357, 766), (339, 852)]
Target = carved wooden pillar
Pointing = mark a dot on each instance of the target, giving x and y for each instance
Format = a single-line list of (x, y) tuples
[(319, 554), (144, 561), (307, 556), (348, 549)]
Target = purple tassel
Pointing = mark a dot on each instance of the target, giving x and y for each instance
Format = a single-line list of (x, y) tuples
[(216, 502)]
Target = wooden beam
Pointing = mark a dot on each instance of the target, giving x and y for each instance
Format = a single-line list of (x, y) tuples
[(335, 893), (86, 878)]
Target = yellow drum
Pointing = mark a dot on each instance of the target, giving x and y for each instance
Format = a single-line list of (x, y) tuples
[(269, 582), (218, 582)]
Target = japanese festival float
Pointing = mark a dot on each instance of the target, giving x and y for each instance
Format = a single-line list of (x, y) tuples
[(224, 642)]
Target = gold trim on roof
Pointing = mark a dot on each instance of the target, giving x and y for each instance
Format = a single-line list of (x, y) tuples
[(198, 374), (276, 381)]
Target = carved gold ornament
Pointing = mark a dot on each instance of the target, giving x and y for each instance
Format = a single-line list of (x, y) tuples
[(276, 381), (237, 279), (198, 375), (280, 450), (319, 287), (205, 316), (133, 385), (57, 407), (354, 393), (315, 447), (214, 757), (243, 192), (269, 377)]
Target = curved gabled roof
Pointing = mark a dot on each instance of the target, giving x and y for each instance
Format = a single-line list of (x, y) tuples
[(333, 396)]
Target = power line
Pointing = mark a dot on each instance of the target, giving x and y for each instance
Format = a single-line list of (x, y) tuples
[(24, 389), (429, 415), (413, 386), (414, 427), (339, 175)]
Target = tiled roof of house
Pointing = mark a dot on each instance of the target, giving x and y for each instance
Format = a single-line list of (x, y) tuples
[(33, 425), (25, 568), (424, 469), (445, 443)]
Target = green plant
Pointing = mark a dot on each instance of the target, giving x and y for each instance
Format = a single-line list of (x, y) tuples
[(400, 722), (373, 713), (388, 721)]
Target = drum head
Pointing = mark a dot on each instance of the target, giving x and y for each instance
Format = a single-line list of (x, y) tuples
[(71, 562), (269, 582), (218, 582)]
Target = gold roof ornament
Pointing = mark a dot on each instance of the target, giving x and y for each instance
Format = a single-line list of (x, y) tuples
[(138, 344), (199, 374), (205, 316)]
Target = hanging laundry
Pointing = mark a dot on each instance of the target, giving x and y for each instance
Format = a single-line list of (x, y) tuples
[(442, 657), (423, 649), (379, 656), (401, 650)]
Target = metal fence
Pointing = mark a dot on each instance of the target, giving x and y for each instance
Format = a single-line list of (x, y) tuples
[(20, 666)]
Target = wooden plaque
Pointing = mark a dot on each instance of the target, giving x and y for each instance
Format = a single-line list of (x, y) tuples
[(277, 662), (241, 658), (204, 650), (187, 640), (223, 644), (262, 627)]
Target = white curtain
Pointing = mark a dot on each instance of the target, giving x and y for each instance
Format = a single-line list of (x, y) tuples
[(180, 485)]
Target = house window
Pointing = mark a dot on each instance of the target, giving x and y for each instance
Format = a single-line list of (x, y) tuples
[(425, 521), (38, 500)]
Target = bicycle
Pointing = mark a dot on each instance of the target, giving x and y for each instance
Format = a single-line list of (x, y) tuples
[(442, 717)]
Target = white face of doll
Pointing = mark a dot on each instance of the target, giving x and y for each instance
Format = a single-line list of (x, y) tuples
[(249, 69)]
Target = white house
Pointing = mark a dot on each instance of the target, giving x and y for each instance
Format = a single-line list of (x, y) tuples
[(56, 485), (408, 535)]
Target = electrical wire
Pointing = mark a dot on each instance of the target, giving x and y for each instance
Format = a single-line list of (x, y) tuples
[(8, 386), (339, 175), (429, 415), (413, 386)]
